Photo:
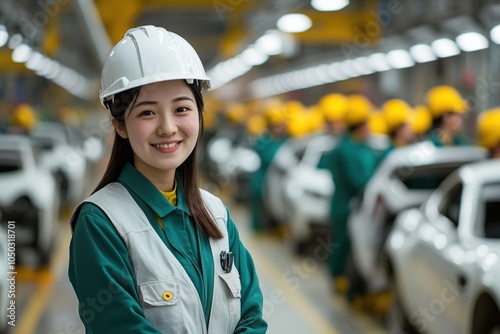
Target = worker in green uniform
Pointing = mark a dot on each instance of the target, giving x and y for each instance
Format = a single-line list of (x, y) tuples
[(266, 145), (397, 115), (151, 252), (446, 106), (333, 107), (353, 163)]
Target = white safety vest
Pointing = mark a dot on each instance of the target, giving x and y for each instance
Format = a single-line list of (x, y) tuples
[(167, 295)]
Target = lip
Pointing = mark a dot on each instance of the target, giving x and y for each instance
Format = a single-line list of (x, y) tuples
[(167, 146)]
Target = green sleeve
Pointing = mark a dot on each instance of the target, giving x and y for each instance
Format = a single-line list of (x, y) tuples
[(359, 167), (251, 296), (102, 277)]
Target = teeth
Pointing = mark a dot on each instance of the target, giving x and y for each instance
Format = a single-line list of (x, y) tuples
[(165, 145)]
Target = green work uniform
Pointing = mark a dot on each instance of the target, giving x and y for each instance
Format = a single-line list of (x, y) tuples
[(266, 147), (353, 163), (103, 278), (457, 141)]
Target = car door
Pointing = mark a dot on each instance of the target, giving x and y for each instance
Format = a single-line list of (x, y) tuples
[(437, 260)]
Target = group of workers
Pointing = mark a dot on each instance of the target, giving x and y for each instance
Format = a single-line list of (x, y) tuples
[(354, 121)]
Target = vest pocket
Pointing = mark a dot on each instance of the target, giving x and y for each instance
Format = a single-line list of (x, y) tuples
[(160, 303), (233, 283)]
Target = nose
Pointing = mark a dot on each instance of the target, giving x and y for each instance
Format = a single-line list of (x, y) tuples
[(167, 125)]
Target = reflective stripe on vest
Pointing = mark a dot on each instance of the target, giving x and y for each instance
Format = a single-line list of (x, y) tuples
[(167, 295)]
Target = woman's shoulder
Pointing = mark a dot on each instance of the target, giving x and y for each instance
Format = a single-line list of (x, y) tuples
[(90, 213), (89, 208)]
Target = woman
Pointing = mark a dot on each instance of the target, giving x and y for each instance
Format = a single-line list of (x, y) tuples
[(151, 252)]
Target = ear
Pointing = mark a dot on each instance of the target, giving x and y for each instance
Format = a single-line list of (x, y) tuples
[(119, 128)]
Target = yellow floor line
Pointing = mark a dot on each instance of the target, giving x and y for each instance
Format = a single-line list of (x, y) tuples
[(294, 298), (30, 318), (360, 320)]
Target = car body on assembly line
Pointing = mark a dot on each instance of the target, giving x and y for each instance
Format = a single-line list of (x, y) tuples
[(29, 196), (404, 179), (444, 257), (297, 192), (65, 162)]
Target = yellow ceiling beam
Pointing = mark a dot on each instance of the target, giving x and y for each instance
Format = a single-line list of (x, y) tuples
[(7, 65), (52, 40), (338, 27), (118, 16), (236, 30)]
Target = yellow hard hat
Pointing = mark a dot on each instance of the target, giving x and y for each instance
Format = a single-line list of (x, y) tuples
[(298, 125), (294, 107), (443, 99), (25, 116), (488, 128), (276, 112), (316, 118), (333, 106), (377, 123), (256, 124), (358, 110), (396, 112), (421, 119)]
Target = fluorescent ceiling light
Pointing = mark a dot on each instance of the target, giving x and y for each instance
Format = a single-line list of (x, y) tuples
[(293, 23), (378, 62), (21, 53), (34, 60), (362, 66), (4, 35), (472, 41), (399, 59), (321, 73), (335, 72), (253, 57), (445, 47), (422, 53), (346, 68), (14, 41), (329, 5), (494, 34), (270, 43)]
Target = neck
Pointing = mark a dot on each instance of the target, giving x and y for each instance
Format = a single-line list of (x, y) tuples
[(161, 179)]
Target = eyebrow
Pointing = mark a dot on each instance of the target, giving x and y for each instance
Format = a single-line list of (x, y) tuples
[(177, 99)]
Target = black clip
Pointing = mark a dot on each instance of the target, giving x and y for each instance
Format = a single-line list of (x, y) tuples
[(226, 261)]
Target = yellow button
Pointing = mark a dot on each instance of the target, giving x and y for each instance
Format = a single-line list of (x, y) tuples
[(167, 295)]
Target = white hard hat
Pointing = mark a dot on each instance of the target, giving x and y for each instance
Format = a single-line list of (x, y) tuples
[(146, 55)]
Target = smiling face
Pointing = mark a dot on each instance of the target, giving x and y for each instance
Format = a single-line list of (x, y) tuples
[(162, 127)]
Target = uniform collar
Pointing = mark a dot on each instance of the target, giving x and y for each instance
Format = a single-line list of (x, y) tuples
[(137, 183)]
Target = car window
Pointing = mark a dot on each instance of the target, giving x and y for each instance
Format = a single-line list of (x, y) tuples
[(10, 161), (43, 144), (450, 204), (489, 212), (425, 177)]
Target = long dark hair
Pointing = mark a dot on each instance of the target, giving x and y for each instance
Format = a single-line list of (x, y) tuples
[(188, 171)]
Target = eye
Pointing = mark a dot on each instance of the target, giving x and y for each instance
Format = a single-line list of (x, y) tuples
[(182, 109), (146, 113)]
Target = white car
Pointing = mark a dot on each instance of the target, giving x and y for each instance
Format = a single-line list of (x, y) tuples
[(230, 161), (445, 257), (296, 191), (29, 196), (405, 179), (64, 161)]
